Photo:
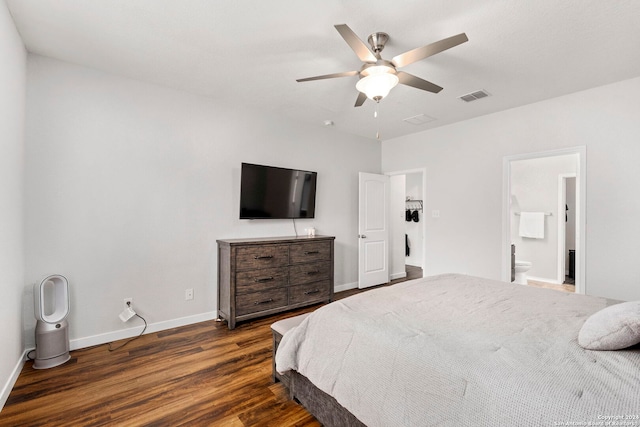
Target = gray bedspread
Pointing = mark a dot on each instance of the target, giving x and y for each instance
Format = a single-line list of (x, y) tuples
[(454, 350)]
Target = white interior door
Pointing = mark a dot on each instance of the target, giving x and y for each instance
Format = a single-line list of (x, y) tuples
[(373, 230)]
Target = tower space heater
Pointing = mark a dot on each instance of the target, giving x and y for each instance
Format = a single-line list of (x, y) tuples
[(51, 306)]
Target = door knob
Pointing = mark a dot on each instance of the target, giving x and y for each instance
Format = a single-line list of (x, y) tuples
[(362, 236)]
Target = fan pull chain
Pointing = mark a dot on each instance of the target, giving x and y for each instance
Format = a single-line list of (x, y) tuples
[(375, 116)]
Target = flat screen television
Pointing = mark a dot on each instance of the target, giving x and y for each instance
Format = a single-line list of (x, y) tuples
[(268, 192)]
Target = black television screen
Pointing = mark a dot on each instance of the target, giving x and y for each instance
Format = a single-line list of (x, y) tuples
[(276, 193)]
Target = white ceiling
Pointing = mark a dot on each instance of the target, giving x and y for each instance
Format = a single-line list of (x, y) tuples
[(251, 52)]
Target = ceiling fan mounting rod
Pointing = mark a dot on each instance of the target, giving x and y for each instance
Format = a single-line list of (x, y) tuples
[(377, 42)]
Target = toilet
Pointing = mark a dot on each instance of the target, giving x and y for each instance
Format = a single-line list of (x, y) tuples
[(521, 268)]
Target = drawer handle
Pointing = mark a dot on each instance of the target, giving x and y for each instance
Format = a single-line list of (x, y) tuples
[(263, 257), (311, 252), (312, 273), (267, 301), (263, 279), (315, 291)]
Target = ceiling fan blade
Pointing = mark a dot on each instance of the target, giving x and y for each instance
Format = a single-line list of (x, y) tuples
[(329, 76), (417, 82), (361, 98), (358, 46), (426, 51)]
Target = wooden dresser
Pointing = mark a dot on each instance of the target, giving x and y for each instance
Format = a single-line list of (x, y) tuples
[(258, 277)]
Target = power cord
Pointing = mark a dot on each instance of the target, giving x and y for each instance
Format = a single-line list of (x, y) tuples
[(295, 230), (131, 339)]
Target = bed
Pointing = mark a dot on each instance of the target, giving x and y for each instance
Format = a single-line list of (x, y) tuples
[(455, 350)]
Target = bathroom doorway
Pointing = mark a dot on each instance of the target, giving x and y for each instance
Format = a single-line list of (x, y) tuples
[(567, 227), (538, 184)]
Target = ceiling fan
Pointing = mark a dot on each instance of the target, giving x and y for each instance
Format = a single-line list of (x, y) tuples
[(377, 75)]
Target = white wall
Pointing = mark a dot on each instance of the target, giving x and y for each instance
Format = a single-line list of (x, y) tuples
[(534, 188), (129, 185), (464, 181), (13, 58)]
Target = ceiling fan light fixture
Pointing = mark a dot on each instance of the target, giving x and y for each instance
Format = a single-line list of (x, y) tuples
[(377, 82)]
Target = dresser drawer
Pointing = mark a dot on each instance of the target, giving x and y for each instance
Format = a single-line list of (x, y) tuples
[(262, 256), (259, 280), (306, 273), (261, 301), (307, 252), (309, 292)]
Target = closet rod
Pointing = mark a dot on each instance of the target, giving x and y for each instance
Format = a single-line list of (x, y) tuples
[(415, 204)]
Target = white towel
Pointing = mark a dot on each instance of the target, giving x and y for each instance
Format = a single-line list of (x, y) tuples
[(532, 225)]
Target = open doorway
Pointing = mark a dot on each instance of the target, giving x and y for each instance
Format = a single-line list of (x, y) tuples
[(541, 184), (407, 225)]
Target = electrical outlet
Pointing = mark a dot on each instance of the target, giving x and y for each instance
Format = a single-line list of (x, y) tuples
[(127, 302), (188, 294)]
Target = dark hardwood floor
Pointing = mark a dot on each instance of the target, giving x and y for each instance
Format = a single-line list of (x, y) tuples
[(196, 375)]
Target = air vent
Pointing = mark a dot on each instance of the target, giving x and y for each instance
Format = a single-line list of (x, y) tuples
[(420, 119), (473, 96)]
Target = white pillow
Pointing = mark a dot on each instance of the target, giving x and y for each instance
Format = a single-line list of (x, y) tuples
[(612, 328)]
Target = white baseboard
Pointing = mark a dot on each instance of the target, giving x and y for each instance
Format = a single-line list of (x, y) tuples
[(345, 287), (401, 275), (133, 331), (354, 285), (543, 279), (11, 381)]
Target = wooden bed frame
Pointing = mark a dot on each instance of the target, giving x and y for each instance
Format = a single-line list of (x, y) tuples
[(325, 408)]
